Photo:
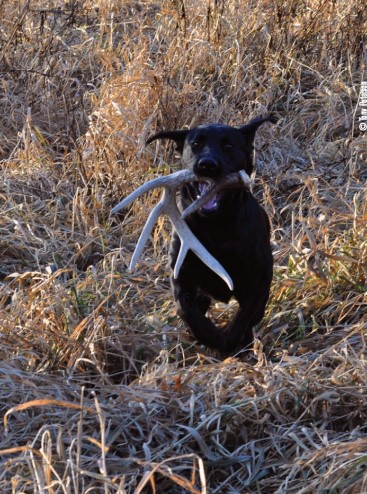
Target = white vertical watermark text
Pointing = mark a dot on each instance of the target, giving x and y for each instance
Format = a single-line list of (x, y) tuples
[(363, 107)]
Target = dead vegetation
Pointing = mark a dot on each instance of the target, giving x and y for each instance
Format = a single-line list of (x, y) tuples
[(101, 388)]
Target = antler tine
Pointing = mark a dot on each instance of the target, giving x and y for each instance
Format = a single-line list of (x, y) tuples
[(236, 179), (173, 180), (144, 236), (168, 205)]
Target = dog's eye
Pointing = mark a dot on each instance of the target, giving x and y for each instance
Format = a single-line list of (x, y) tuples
[(195, 145), (228, 147)]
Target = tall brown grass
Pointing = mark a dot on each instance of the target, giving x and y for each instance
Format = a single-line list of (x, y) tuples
[(101, 387)]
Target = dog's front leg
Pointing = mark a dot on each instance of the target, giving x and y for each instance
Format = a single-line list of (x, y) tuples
[(191, 307), (239, 333)]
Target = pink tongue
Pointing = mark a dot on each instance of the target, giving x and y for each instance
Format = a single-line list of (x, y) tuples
[(211, 203)]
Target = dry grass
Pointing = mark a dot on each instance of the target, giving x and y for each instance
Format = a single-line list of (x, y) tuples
[(101, 388)]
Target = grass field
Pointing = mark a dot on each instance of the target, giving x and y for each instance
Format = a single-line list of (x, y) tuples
[(102, 389)]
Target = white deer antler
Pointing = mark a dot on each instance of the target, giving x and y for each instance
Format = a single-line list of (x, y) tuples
[(168, 205)]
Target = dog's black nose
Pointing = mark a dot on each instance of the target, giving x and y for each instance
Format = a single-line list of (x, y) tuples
[(207, 166)]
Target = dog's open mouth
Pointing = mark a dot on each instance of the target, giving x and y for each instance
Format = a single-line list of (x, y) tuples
[(212, 204)]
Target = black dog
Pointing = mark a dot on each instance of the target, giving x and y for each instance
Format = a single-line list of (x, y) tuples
[(232, 226)]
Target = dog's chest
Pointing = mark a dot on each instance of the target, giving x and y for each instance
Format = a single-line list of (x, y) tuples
[(217, 236)]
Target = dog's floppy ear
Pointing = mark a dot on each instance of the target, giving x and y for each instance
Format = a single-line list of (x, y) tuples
[(249, 130), (178, 136)]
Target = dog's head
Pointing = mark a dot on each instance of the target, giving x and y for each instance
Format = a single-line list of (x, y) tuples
[(214, 151)]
